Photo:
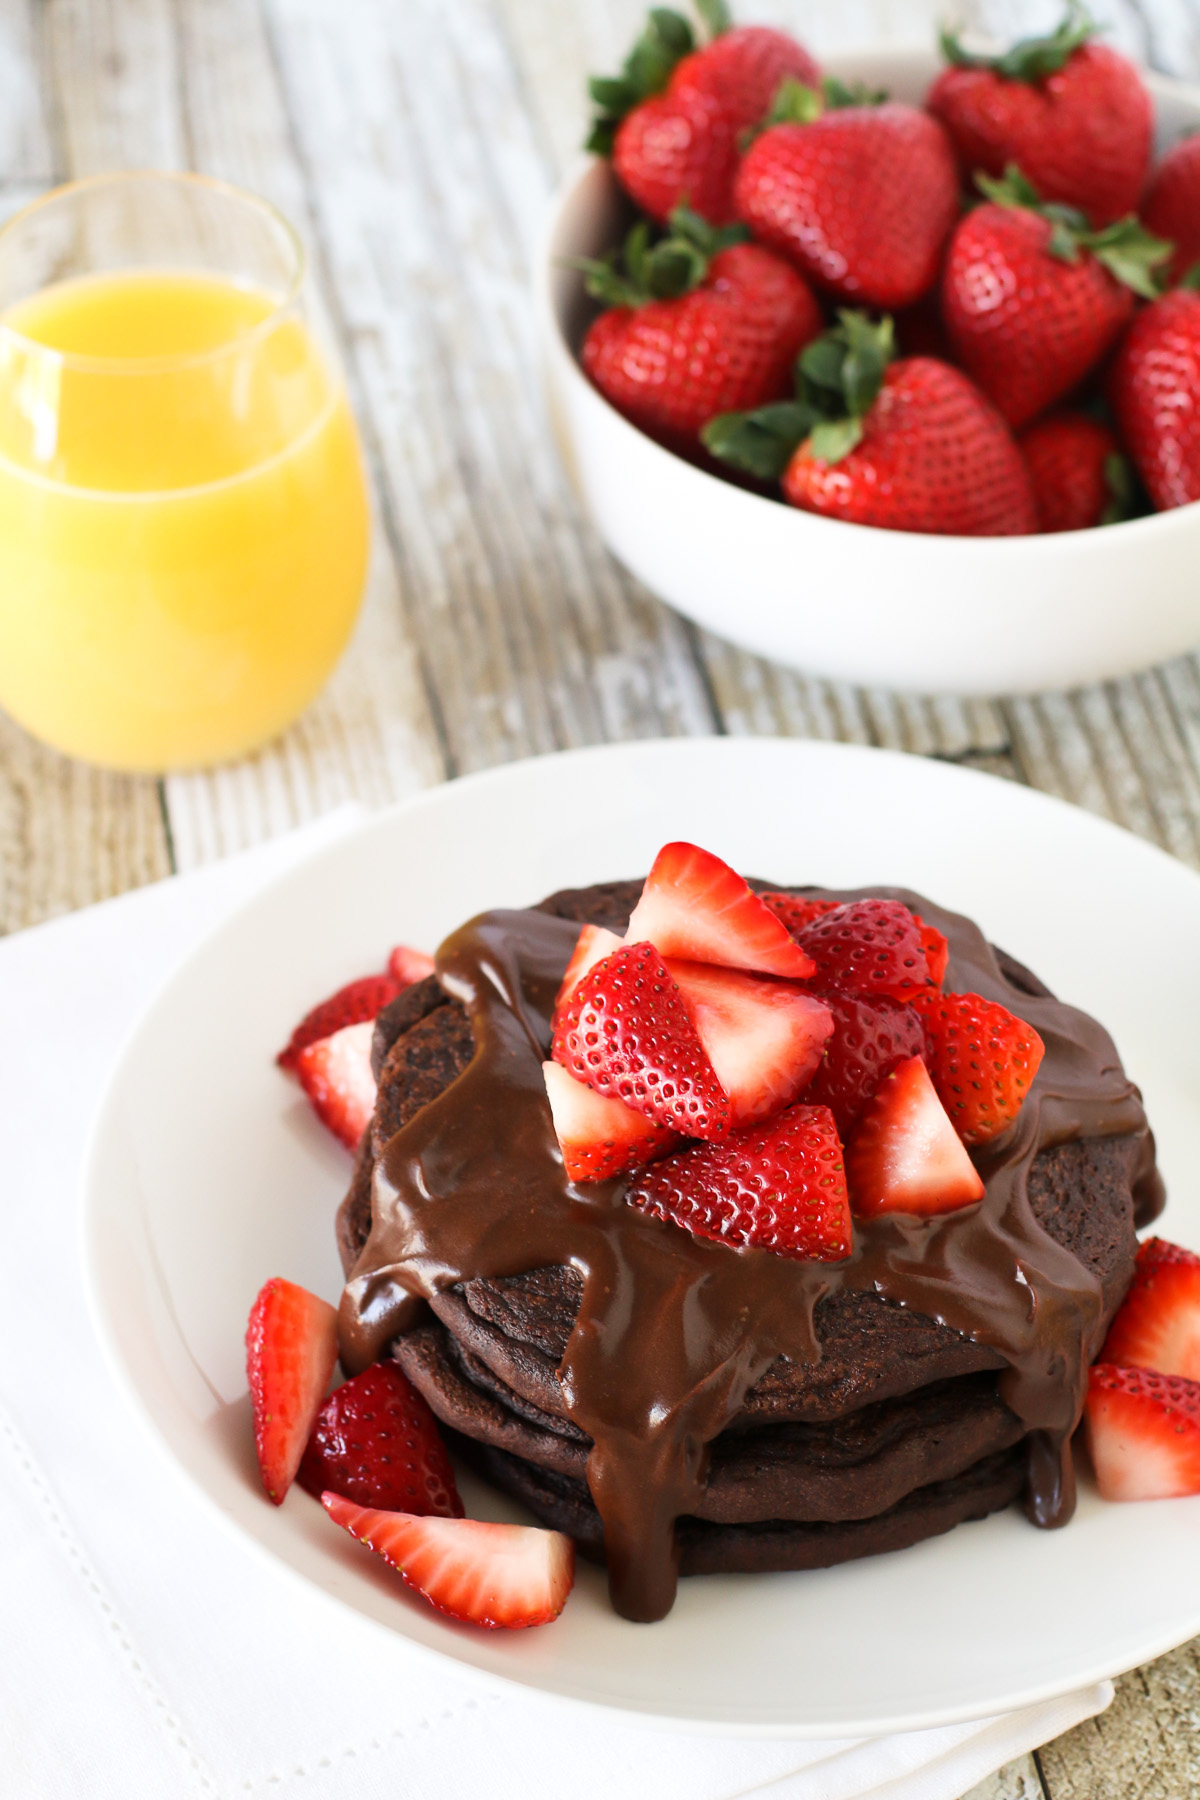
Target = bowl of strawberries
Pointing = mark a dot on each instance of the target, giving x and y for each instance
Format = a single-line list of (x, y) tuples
[(889, 369)]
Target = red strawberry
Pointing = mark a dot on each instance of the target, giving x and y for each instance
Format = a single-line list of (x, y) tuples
[(599, 1137), (693, 906), (1158, 1326), (867, 947), (862, 199), (291, 1347), (1171, 208), (1143, 1432), (982, 1060), (626, 1032), (1074, 461), (871, 1036), (497, 1575), (905, 1155), (376, 1442), (1074, 115), (357, 1001), (936, 948), (933, 457), (682, 146), (779, 1186), (407, 965), (1032, 301), (764, 1038), (1156, 393), (336, 1075), (913, 446), (794, 910), (591, 947), (695, 329)]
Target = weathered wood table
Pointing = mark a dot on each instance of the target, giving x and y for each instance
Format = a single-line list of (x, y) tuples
[(415, 143)]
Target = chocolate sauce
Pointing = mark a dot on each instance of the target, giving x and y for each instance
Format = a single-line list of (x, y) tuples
[(672, 1330)]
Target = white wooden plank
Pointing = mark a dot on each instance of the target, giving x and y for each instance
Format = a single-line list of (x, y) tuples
[(430, 186), (1145, 1747), (1017, 1780), (25, 144), (115, 73), (70, 835)]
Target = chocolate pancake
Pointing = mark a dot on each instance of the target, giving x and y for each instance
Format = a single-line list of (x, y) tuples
[(891, 1425)]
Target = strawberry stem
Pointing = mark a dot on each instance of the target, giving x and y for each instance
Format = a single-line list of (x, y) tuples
[(1130, 253), (640, 270), (838, 377), (1032, 58)]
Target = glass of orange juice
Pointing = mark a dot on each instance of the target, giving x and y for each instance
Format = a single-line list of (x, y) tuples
[(183, 512)]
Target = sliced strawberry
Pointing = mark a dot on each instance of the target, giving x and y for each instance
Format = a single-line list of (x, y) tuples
[(600, 1137), (764, 1038), (626, 1032), (336, 1075), (376, 1442), (870, 1036), (593, 945), (982, 1059), (1143, 1432), (906, 1155), (936, 948), (1158, 1326), (867, 947), (795, 911), (358, 1000), (407, 965), (497, 1575), (780, 1186), (695, 907), (291, 1347)]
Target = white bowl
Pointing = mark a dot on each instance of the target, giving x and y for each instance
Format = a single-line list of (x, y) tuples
[(881, 608)]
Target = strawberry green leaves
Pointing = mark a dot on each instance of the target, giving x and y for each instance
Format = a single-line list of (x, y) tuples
[(1130, 253), (838, 377), (665, 40), (1032, 58), (646, 268)]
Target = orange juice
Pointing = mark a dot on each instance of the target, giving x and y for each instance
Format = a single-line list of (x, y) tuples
[(183, 517)]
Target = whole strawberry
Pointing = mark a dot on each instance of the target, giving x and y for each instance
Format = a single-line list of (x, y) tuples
[(1155, 390), (909, 445), (1033, 300), (1071, 113), (696, 327), (1171, 208), (860, 197), (673, 119), (1080, 477)]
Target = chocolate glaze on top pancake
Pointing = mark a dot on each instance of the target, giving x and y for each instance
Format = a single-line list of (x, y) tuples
[(915, 1398)]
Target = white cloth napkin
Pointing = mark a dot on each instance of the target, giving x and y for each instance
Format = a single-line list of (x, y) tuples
[(144, 1653)]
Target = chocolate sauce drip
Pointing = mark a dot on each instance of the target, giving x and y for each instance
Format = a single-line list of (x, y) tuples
[(672, 1330)]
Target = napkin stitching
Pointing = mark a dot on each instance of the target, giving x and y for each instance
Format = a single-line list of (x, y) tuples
[(76, 1556), (398, 1734)]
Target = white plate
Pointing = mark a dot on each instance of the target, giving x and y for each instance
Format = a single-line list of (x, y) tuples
[(207, 1175)]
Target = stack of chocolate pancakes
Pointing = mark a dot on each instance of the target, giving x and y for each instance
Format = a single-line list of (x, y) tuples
[(679, 1406)]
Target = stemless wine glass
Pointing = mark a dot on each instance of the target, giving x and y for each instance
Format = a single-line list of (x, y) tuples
[(183, 513)]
